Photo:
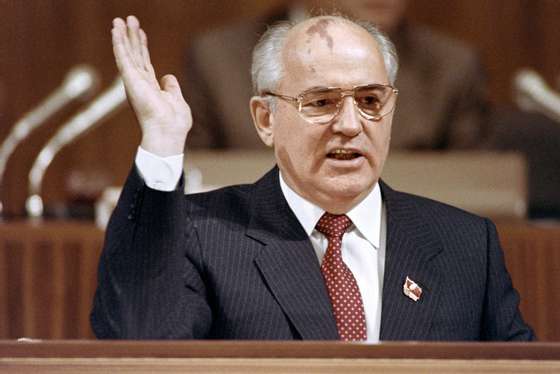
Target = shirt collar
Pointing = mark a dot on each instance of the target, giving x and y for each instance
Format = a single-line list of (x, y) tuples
[(366, 216)]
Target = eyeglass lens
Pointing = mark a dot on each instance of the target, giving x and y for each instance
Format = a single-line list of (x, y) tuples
[(322, 105)]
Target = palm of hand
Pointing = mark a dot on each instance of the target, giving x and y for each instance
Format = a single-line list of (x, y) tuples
[(163, 114)]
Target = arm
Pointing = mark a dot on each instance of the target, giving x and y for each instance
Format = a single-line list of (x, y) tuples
[(150, 282), (502, 318)]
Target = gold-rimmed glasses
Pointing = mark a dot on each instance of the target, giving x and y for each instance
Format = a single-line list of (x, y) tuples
[(322, 105)]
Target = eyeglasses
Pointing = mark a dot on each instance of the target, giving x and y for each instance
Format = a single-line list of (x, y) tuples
[(322, 105)]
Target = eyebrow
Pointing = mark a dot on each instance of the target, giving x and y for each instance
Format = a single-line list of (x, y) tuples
[(317, 88), (328, 87)]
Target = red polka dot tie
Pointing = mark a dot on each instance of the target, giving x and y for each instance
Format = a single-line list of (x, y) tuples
[(341, 285)]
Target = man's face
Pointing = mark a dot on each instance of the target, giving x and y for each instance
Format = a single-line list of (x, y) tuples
[(324, 52)]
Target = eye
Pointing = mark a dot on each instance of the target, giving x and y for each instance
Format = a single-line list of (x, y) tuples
[(319, 103), (369, 100)]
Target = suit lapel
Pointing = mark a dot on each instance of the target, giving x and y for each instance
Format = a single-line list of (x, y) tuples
[(288, 263), (410, 251), (290, 268)]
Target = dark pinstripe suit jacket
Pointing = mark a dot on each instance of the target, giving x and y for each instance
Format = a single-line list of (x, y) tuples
[(236, 264)]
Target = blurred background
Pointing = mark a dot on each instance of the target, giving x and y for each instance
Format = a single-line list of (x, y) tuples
[(41, 40)]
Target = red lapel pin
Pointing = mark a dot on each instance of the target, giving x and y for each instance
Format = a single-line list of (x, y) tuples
[(411, 289)]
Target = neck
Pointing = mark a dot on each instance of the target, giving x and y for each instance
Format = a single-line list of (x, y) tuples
[(339, 206), (329, 203)]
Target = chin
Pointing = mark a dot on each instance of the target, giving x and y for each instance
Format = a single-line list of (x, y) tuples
[(349, 189)]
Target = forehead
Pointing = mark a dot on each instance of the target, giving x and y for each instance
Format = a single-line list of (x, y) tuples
[(330, 52)]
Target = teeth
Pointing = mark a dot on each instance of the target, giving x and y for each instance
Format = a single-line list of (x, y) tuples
[(342, 152)]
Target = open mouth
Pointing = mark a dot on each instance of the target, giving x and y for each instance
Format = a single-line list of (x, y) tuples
[(343, 154)]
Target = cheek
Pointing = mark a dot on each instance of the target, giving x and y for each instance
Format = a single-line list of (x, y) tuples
[(297, 137), (379, 135), (385, 138)]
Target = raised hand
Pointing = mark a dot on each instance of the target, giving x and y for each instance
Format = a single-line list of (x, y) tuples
[(163, 114)]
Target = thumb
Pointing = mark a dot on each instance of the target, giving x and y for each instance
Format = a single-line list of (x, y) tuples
[(170, 84)]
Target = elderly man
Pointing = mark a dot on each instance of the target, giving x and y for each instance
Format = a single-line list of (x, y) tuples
[(320, 247)]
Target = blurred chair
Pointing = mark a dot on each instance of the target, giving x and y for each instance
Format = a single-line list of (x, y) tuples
[(537, 137)]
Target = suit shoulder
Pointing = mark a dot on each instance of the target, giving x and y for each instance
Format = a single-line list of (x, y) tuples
[(459, 231), (227, 202), (440, 212)]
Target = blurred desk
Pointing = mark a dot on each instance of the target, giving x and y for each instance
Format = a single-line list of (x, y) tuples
[(486, 183), (532, 255), (491, 184), (48, 274), (276, 357)]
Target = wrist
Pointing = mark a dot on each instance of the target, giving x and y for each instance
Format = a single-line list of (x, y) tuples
[(163, 147)]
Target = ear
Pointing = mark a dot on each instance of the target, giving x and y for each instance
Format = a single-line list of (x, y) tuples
[(260, 110)]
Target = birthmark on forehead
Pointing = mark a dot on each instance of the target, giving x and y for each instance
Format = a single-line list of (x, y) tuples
[(320, 28)]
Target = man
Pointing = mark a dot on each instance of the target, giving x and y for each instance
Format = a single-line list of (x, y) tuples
[(442, 104), (320, 247)]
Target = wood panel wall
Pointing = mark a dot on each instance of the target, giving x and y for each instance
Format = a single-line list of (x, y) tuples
[(41, 39)]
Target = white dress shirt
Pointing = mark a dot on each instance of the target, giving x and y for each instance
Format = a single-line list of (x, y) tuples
[(159, 173), (363, 245)]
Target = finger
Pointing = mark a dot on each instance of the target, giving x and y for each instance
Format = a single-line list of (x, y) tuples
[(170, 84), (147, 63), (133, 27), (135, 78), (132, 74), (145, 50), (119, 25), (120, 48)]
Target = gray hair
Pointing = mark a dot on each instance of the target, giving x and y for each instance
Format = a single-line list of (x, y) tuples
[(267, 69)]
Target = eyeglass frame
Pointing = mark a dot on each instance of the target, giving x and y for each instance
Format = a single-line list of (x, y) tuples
[(297, 101)]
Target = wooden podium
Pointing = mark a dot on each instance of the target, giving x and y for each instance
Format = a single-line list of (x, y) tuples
[(48, 273), (275, 357)]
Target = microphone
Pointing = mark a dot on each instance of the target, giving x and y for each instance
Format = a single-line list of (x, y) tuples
[(106, 104), (80, 82), (533, 94)]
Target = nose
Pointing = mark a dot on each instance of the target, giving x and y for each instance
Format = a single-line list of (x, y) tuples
[(348, 121)]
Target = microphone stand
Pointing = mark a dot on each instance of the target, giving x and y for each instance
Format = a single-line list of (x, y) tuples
[(101, 108), (79, 82)]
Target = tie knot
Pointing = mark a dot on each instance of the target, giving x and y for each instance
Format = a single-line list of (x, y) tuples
[(333, 225)]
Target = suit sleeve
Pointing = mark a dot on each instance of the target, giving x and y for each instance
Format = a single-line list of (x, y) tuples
[(150, 279), (502, 317)]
